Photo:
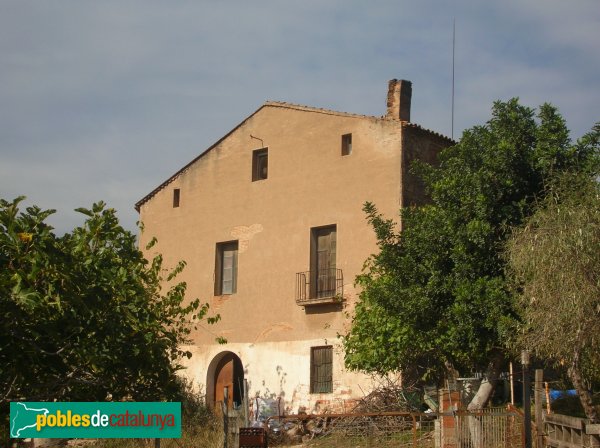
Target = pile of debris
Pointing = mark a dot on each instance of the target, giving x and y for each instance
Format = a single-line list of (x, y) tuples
[(368, 418), (391, 396)]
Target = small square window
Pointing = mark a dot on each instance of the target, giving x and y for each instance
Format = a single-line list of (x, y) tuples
[(226, 263), (176, 195), (260, 164), (321, 370), (346, 144)]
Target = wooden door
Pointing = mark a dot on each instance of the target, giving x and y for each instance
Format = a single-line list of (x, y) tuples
[(323, 262), (223, 379)]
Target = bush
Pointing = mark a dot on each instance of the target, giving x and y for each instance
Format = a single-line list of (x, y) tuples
[(200, 426)]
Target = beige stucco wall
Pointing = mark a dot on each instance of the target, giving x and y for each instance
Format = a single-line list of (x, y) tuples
[(309, 184)]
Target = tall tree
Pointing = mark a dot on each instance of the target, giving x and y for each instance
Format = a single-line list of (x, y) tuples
[(435, 299), (84, 315), (555, 258)]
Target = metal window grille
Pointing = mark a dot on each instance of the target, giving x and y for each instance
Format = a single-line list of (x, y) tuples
[(311, 285), (321, 370)]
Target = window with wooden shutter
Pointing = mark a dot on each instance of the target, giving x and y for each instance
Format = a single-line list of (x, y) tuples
[(323, 265), (346, 144), (226, 268), (321, 370), (260, 164)]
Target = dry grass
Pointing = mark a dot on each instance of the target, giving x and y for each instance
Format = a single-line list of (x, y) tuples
[(201, 430), (209, 435)]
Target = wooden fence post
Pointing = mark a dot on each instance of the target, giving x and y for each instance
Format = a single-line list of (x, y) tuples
[(512, 384), (246, 404), (526, 398), (226, 415), (539, 393)]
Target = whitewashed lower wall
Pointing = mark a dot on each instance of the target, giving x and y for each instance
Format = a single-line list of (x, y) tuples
[(282, 370)]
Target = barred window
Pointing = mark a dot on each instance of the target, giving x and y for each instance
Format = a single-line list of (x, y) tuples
[(321, 370)]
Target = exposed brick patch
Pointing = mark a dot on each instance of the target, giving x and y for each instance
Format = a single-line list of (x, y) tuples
[(280, 326), (244, 234), (218, 301)]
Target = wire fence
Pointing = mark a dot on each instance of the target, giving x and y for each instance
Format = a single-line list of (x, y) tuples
[(492, 428), (488, 428), (389, 429)]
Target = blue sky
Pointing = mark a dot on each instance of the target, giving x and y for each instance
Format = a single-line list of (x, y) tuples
[(105, 100)]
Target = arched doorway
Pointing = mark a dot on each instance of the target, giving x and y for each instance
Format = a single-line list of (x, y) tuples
[(225, 371)]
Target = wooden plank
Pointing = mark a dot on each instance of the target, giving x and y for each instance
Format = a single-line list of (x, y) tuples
[(592, 429), (565, 420), (561, 444)]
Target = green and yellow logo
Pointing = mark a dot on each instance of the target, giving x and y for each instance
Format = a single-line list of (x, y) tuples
[(95, 420)]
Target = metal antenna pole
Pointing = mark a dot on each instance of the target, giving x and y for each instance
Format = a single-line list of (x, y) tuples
[(453, 51)]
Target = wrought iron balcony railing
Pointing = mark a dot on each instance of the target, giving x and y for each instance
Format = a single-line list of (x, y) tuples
[(322, 286)]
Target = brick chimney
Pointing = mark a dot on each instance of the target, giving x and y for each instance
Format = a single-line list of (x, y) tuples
[(398, 99)]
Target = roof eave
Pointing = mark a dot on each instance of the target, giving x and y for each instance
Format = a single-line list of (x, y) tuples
[(280, 104)]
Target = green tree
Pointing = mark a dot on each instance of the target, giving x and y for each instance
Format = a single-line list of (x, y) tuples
[(85, 315), (555, 258), (435, 298)]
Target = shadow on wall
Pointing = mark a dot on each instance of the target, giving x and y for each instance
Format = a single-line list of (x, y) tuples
[(266, 403), (264, 391), (325, 309)]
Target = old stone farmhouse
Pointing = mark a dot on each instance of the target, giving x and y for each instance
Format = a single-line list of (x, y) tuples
[(269, 220)]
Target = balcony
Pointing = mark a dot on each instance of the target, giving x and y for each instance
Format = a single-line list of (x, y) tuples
[(322, 287)]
